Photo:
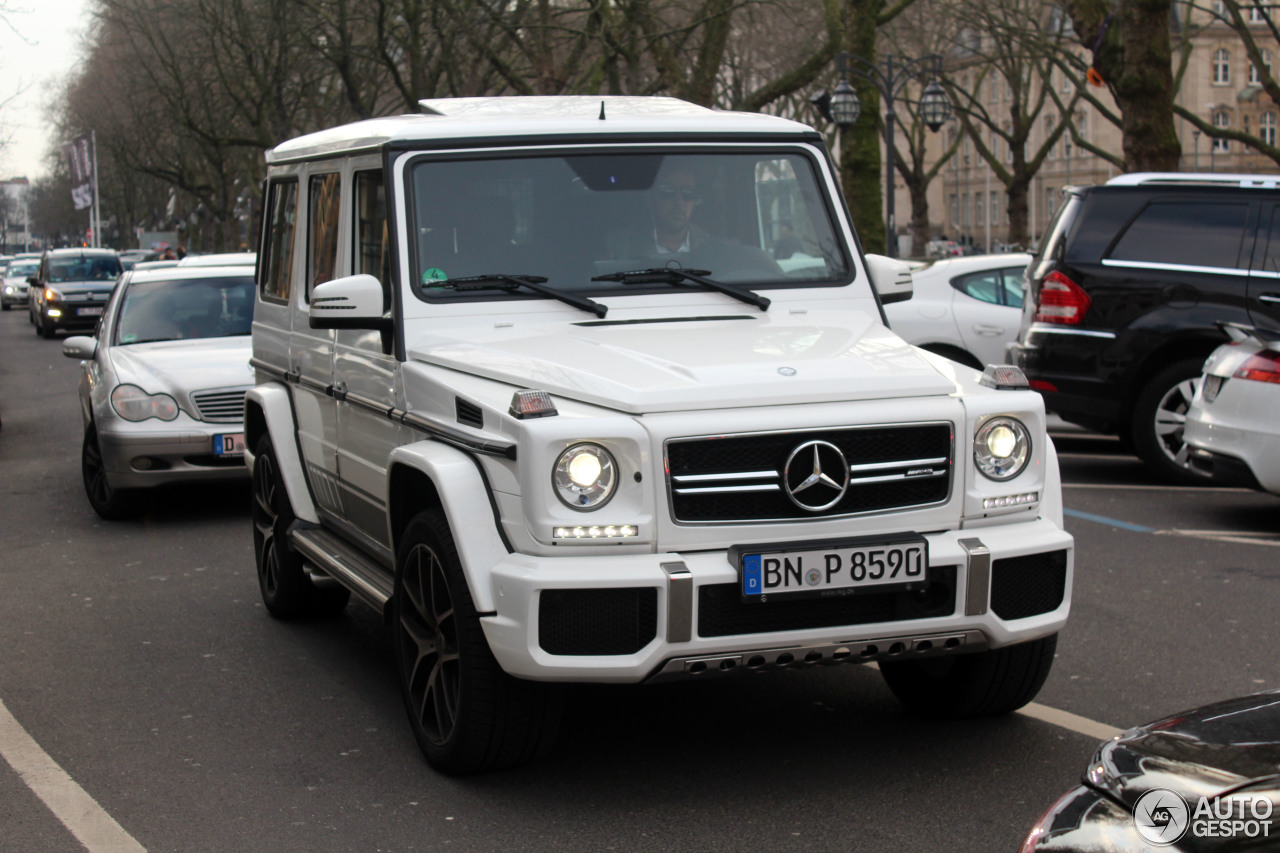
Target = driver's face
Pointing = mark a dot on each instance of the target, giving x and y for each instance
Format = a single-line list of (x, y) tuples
[(674, 198)]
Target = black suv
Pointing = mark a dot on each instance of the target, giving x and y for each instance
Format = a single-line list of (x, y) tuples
[(1126, 292)]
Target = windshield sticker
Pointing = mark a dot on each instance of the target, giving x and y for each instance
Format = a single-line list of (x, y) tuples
[(128, 339), (433, 275)]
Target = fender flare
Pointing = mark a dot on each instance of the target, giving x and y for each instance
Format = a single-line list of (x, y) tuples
[(268, 407), (468, 509)]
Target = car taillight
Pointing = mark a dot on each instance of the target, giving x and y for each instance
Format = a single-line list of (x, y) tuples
[(1061, 301), (1261, 367)]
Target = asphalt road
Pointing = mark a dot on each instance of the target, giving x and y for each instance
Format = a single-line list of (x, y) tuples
[(138, 658)]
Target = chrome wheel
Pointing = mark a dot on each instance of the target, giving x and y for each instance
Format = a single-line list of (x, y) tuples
[(1171, 420), (428, 639)]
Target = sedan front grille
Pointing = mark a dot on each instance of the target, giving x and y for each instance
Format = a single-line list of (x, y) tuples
[(224, 406), (737, 478)]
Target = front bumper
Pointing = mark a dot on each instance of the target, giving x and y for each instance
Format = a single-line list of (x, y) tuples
[(656, 616), (12, 296), (144, 455)]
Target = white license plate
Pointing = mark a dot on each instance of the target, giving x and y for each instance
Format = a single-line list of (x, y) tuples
[(89, 312), (231, 444), (830, 569)]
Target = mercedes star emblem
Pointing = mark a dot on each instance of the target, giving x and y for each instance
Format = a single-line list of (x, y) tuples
[(816, 476)]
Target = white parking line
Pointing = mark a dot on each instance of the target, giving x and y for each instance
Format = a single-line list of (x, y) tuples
[(79, 813), (1240, 537), (1071, 722)]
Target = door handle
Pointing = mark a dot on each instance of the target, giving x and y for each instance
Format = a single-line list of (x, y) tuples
[(988, 331), (1272, 298)]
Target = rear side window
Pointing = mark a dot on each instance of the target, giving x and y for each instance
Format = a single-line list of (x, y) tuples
[(1189, 233), (999, 287), (372, 247), (276, 268)]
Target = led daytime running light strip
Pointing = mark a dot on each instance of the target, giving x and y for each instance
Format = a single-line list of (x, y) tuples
[(1011, 500), (597, 531)]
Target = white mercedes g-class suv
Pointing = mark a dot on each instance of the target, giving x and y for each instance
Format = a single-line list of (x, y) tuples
[(600, 390)]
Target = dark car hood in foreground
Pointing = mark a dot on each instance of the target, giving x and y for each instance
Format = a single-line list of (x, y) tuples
[(1209, 751)]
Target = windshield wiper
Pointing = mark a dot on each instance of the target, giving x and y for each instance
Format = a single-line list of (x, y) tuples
[(676, 275), (503, 281)]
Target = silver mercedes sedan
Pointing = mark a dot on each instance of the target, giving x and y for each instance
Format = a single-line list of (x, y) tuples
[(163, 383)]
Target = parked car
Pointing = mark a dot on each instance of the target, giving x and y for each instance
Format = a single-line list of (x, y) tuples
[(1200, 780), (14, 284), (163, 385), (220, 259), (966, 309), (1125, 300), (130, 257), (1233, 426), (71, 287), (533, 383)]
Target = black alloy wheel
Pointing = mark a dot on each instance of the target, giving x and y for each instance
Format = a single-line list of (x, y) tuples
[(109, 503), (466, 714), (287, 590)]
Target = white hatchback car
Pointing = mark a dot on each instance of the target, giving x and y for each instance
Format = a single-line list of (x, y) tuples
[(965, 309), (1232, 430), (163, 385)]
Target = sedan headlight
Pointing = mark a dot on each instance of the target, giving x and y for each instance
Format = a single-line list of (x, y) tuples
[(134, 404), (1002, 448), (584, 476)]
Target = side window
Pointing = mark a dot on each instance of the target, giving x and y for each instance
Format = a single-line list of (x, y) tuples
[(983, 286), (1013, 283), (1271, 261), (371, 246), (276, 269), (325, 196), (1192, 233)]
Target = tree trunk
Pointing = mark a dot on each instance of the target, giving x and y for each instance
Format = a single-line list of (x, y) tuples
[(860, 167)]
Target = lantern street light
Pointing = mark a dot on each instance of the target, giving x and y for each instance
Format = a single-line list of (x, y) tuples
[(889, 77)]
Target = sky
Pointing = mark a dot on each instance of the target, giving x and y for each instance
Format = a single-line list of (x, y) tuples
[(44, 50)]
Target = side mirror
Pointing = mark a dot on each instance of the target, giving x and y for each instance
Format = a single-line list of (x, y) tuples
[(81, 347), (32, 281), (352, 302), (890, 277)]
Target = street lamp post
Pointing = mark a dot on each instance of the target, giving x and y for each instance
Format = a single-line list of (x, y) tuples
[(889, 78)]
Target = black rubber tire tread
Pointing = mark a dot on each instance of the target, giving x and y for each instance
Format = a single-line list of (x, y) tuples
[(501, 721), (110, 504), (982, 684), (1142, 430), (287, 592)]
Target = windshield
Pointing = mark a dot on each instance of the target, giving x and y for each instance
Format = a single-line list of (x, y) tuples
[(754, 218), (84, 268), (186, 308), (22, 268)]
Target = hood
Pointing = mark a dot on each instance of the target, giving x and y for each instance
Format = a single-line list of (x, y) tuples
[(680, 364), (1208, 751), (182, 367), (71, 288)]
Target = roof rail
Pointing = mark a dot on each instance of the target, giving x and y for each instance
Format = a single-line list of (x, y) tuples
[(1216, 179)]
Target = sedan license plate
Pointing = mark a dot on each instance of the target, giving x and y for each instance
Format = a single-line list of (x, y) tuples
[(229, 445), (95, 311), (830, 569)]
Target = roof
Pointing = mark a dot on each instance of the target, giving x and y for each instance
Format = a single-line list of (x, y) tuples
[(1221, 179), (177, 273), (453, 120), (80, 251)]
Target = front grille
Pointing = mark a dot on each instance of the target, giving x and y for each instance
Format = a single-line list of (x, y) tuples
[(597, 621), (743, 477), (221, 407), (1028, 586), (722, 612)]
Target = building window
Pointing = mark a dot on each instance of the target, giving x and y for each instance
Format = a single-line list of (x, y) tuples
[(1221, 67), (1220, 9), (1257, 15), (1221, 119), (1267, 128), (1256, 74)]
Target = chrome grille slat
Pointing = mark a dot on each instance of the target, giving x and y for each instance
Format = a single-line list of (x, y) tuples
[(224, 406), (731, 479)]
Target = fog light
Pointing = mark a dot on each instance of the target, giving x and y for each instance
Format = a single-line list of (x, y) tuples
[(54, 312)]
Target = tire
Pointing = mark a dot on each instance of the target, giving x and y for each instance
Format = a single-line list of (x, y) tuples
[(4, 306), (109, 503), (287, 590), (44, 328), (982, 684), (466, 714), (1159, 415)]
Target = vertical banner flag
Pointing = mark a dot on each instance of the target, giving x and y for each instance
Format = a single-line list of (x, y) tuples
[(80, 156)]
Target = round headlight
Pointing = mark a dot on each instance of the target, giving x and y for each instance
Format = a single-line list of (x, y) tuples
[(1002, 448), (584, 476), (134, 404)]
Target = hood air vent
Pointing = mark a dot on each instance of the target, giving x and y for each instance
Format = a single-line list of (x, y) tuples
[(469, 414)]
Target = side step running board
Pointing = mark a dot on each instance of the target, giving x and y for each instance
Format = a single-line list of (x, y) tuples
[(349, 566)]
